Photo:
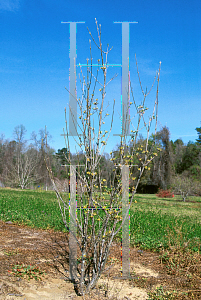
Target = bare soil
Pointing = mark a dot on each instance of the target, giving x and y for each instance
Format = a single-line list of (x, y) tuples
[(47, 250)]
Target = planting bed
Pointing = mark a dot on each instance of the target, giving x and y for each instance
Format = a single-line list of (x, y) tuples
[(42, 248)]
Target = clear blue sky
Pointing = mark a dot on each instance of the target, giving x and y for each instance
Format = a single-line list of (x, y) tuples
[(34, 60)]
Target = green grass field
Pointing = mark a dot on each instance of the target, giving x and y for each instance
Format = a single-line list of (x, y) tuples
[(155, 223)]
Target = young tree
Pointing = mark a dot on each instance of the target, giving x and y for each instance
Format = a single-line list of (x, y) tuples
[(178, 152), (39, 144), (162, 170), (191, 156), (97, 227), (21, 160), (62, 154), (183, 185), (198, 129), (3, 145)]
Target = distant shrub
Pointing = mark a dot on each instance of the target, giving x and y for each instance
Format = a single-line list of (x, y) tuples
[(165, 194)]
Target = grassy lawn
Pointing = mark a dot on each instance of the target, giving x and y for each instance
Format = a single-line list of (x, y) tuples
[(155, 223), (33, 208)]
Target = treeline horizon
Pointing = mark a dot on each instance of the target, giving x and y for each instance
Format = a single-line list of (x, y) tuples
[(22, 163)]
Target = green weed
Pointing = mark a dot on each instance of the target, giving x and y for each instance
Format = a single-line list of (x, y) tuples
[(30, 272), (10, 253)]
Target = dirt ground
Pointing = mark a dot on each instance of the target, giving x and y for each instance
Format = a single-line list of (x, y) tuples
[(26, 246)]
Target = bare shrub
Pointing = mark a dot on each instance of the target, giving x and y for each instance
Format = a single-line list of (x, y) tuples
[(98, 218)]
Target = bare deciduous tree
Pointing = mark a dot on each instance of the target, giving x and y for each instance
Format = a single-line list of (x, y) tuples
[(183, 185), (21, 167)]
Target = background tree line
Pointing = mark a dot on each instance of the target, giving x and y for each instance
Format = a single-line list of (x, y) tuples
[(22, 163)]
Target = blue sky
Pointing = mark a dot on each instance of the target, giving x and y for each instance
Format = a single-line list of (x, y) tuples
[(34, 60)]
